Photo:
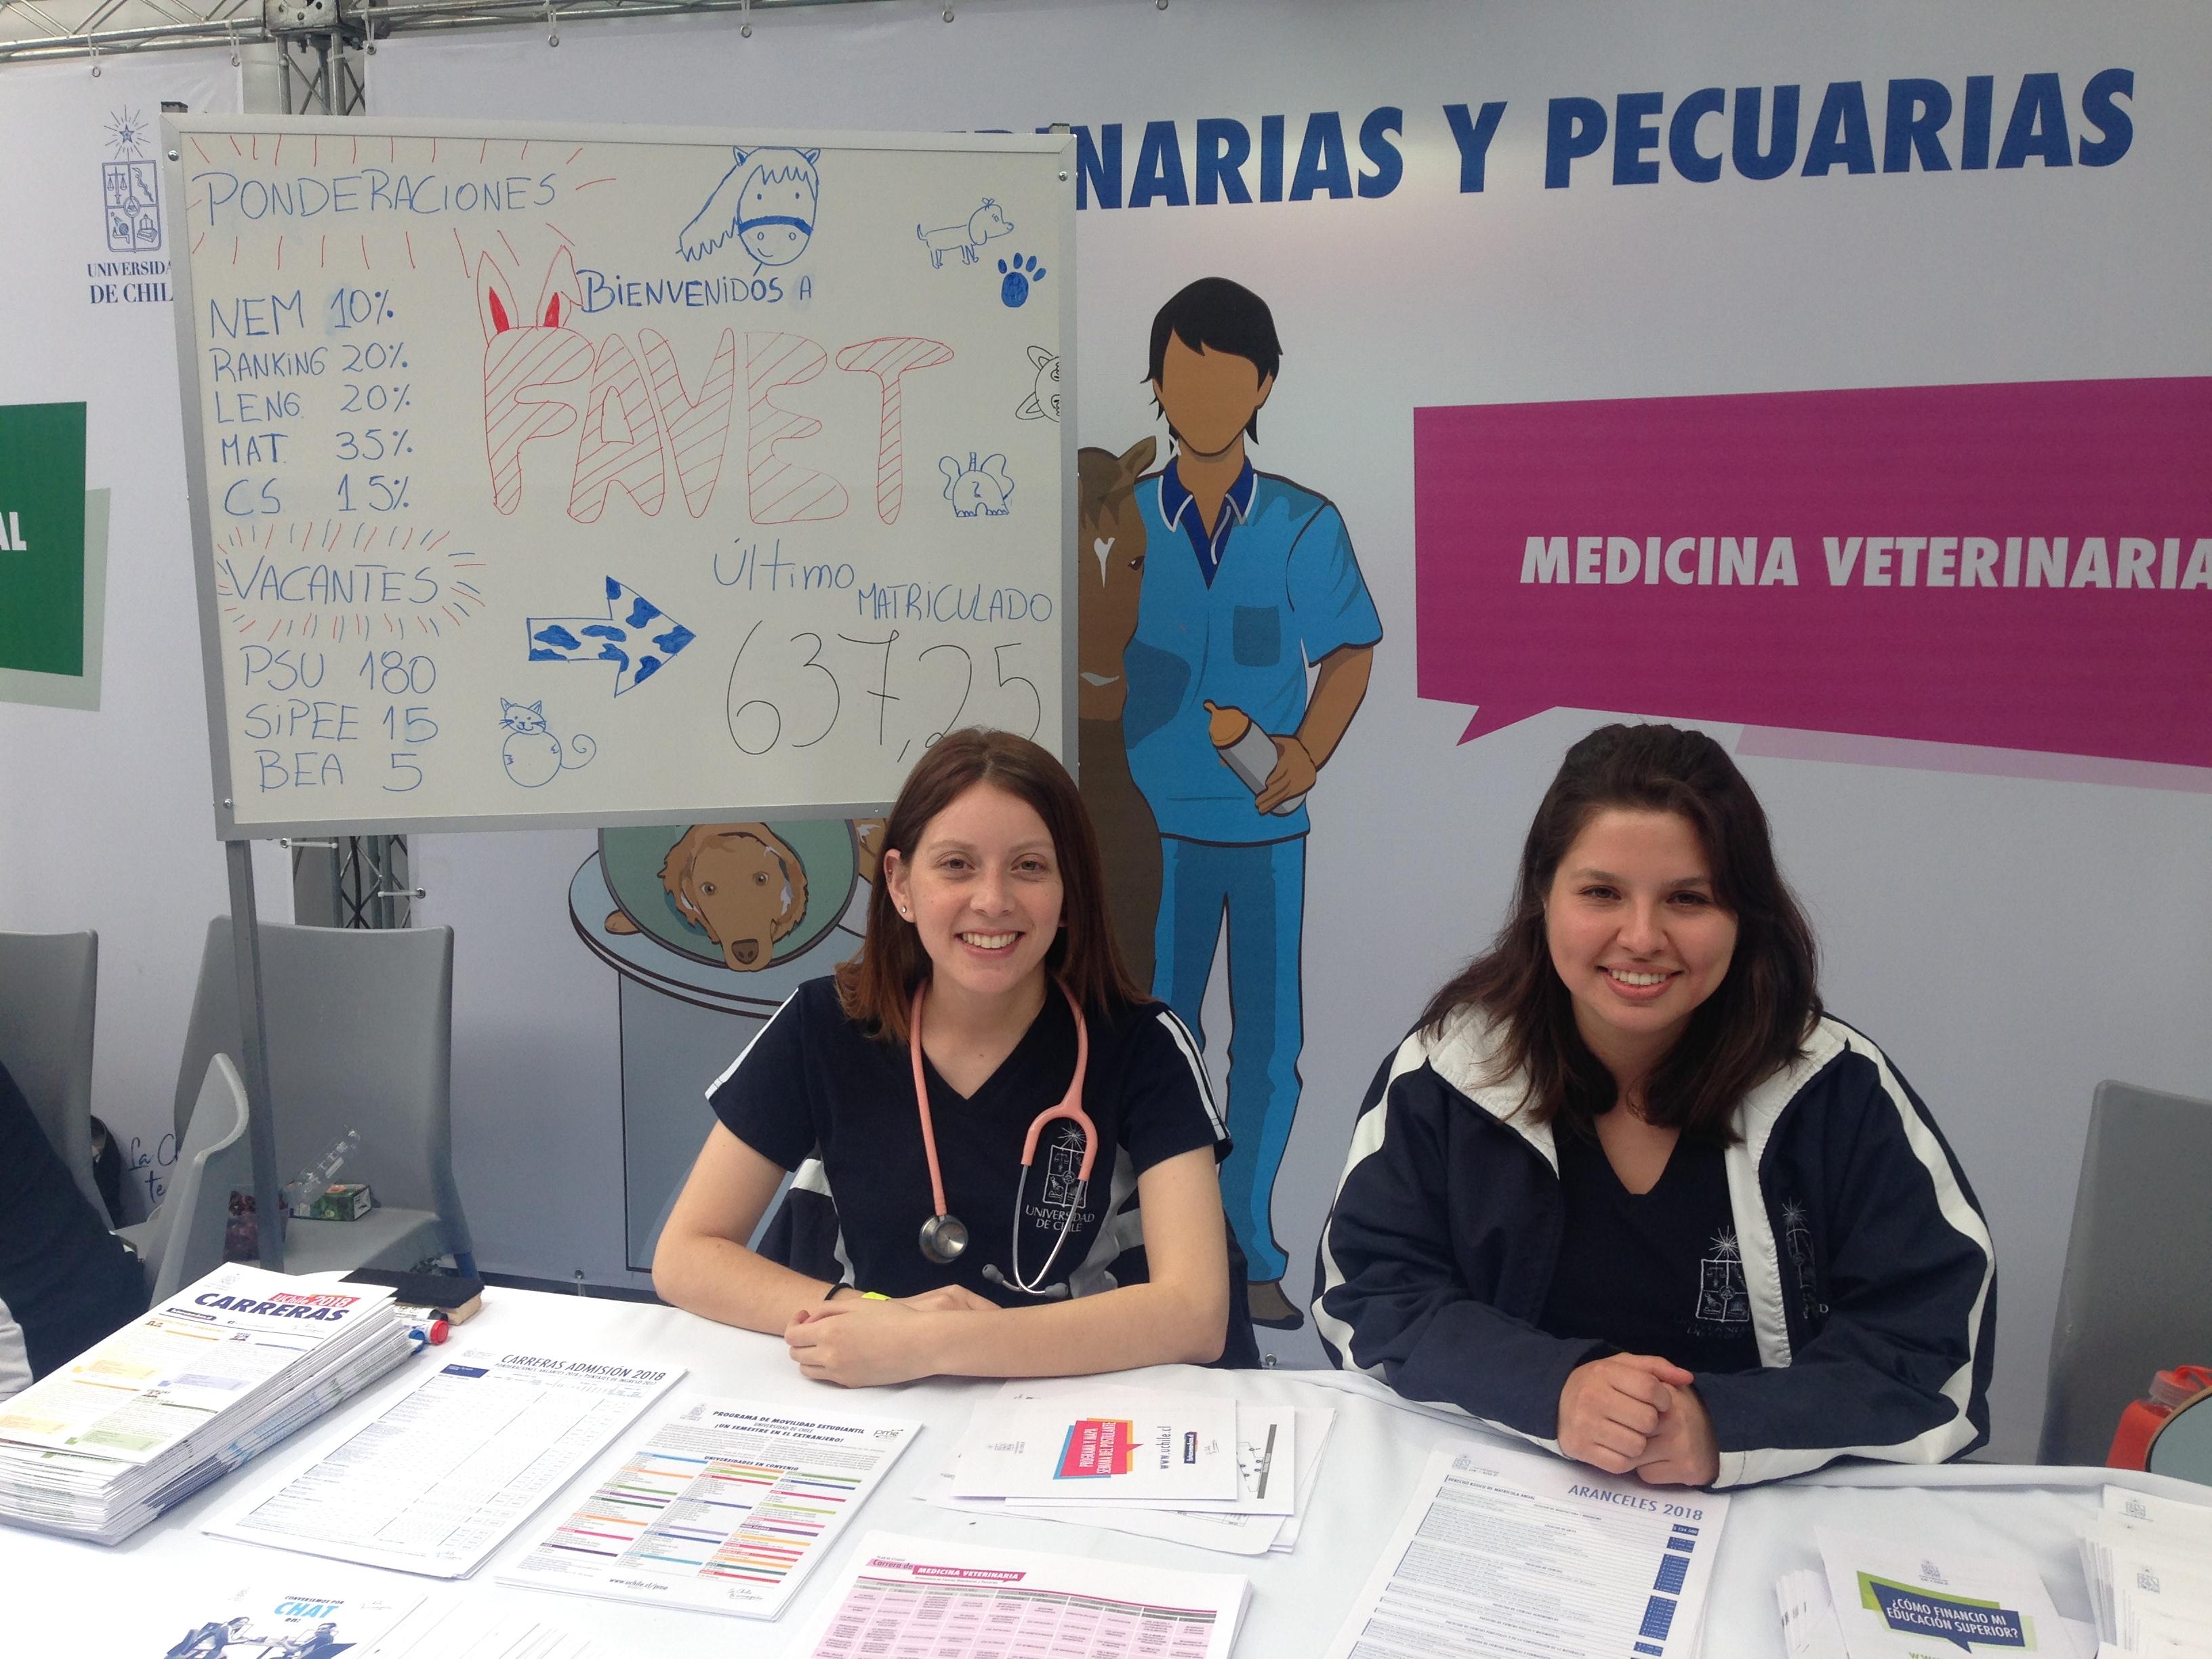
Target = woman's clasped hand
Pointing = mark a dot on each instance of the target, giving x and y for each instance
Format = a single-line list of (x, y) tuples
[(859, 1341), (1635, 1412)]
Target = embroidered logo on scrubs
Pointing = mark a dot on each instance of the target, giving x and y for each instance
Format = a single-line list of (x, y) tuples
[(1064, 1189), (1060, 1203), (1722, 1296)]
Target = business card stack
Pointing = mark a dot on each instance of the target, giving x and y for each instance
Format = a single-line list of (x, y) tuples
[(2149, 1565), (221, 1371)]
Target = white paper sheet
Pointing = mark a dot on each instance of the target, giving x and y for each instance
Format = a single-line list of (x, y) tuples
[(724, 1507), (465, 1630), (434, 1485), (1102, 1442), (927, 1595), (1509, 1552), (2187, 1521)]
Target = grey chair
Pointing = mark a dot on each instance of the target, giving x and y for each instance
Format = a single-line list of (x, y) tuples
[(360, 1027), (48, 985), (2136, 1296), (182, 1241)]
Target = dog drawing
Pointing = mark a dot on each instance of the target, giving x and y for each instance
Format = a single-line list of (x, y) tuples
[(739, 883), (964, 237)]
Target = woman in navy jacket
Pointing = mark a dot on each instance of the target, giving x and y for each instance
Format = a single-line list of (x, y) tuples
[(1628, 1192)]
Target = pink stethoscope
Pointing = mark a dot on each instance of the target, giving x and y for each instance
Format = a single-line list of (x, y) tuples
[(944, 1236)]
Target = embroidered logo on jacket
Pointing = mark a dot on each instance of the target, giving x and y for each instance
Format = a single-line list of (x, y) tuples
[(1722, 1296), (1797, 1239)]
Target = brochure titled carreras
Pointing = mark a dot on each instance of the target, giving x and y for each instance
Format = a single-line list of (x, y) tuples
[(1894, 1600)]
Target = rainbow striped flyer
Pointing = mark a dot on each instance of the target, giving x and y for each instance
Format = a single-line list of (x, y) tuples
[(724, 1508)]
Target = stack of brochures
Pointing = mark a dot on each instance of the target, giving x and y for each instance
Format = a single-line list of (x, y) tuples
[(2149, 1565), (1196, 1468), (219, 1373), (1878, 1598)]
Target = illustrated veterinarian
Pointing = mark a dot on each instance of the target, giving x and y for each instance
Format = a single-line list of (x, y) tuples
[(1250, 581)]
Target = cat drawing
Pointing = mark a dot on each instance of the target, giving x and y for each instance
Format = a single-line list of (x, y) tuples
[(534, 755)]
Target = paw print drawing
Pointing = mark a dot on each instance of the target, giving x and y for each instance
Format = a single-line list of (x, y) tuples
[(979, 486), (1016, 277)]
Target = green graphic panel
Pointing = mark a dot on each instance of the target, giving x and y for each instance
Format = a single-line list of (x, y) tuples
[(42, 537)]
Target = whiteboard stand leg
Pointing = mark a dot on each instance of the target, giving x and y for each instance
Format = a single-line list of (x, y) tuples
[(246, 937)]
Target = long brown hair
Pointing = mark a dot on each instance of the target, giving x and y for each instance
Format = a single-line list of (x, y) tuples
[(876, 986), (1755, 1021)]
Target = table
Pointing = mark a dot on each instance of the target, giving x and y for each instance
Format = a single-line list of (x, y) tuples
[(55, 1585)]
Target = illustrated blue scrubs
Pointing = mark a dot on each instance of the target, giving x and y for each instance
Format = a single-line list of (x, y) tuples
[(1235, 617)]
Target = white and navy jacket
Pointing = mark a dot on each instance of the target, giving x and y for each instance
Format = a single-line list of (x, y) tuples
[(1872, 1283)]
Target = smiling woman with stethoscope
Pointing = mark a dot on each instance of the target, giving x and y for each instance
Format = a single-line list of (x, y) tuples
[(1004, 1156)]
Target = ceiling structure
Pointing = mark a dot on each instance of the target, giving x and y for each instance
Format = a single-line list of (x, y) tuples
[(33, 30)]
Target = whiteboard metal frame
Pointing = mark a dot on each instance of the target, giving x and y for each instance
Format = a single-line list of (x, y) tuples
[(175, 129)]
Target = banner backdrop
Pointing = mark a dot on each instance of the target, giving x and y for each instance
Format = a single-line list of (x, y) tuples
[(105, 819), (1614, 299), (1805, 375)]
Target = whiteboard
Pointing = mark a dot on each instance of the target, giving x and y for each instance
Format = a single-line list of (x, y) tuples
[(594, 475)]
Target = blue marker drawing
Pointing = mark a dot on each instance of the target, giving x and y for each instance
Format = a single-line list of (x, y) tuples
[(533, 755), (979, 486), (1043, 402), (964, 237), (635, 635), (767, 200), (1017, 279)]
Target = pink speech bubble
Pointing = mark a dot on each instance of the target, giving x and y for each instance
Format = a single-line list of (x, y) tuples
[(1924, 527)]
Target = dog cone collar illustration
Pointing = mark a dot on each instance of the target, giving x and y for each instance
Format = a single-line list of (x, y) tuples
[(741, 883)]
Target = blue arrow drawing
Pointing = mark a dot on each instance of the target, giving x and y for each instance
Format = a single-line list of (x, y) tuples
[(635, 635)]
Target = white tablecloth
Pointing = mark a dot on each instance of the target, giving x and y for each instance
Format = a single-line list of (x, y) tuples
[(91, 1602)]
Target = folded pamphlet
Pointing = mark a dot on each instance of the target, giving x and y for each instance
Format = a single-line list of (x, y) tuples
[(1104, 1442), (1902, 1601)]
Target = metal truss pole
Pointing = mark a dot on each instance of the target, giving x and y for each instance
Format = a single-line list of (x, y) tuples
[(321, 42), (311, 65)]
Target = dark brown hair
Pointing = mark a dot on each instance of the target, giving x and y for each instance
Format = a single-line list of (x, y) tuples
[(876, 986), (1755, 1021)]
